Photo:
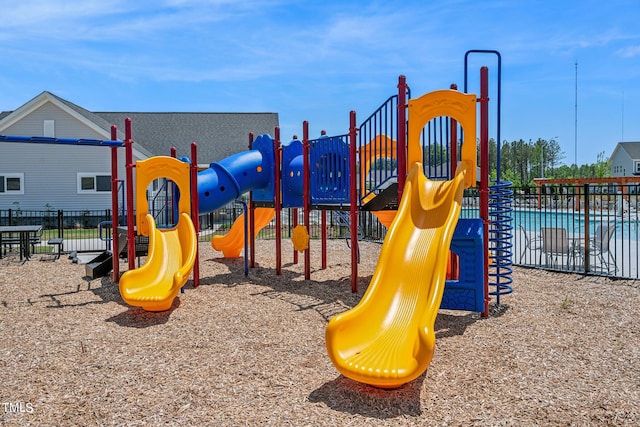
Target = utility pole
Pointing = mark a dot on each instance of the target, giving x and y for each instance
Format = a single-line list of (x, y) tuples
[(575, 131)]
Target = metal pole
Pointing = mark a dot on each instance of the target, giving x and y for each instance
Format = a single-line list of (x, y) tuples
[(401, 144), (499, 100), (484, 179), (195, 210), (131, 238), (115, 255), (252, 219), (353, 206), (306, 193), (323, 233), (278, 205)]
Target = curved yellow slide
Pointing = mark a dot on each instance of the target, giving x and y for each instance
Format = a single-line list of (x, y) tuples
[(388, 339), (172, 254), (231, 244)]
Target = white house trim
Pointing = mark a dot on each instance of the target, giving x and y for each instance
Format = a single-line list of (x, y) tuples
[(41, 100)]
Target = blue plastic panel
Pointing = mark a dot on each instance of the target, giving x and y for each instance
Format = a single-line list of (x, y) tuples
[(329, 163), (467, 293)]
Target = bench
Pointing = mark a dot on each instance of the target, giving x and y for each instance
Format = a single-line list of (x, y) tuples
[(59, 242), (9, 242)]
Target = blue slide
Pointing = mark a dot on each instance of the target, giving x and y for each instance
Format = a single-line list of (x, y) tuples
[(225, 181)]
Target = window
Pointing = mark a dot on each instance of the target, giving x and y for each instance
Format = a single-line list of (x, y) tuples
[(93, 183), (49, 128), (11, 184), (636, 167)]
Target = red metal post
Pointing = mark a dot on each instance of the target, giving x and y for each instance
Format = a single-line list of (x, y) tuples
[(484, 176), (252, 219), (323, 233), (277, 196), (306, 195), (402, 134), (453, 158), (353, 205), (173, 152), (131, 237), (453, 145), (115, 258), (195, 210), (294, 224)]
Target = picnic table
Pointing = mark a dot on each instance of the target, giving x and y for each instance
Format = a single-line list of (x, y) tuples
[(20, 234)]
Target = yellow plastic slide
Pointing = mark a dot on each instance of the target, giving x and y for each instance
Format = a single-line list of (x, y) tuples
[(231, 244), (388, 338), (172, 254)]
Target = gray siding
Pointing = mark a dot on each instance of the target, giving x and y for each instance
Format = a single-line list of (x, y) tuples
[(66, 125), (51, 175), (622, 159), (50, 171)]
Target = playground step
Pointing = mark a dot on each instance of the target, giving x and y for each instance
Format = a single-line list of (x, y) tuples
[(99, 266), (386, 200)]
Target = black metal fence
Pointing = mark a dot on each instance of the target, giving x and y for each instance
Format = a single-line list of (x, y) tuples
[(583, 229), (90, 230), (592, 229)]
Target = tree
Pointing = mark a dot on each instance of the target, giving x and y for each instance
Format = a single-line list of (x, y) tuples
[(553, 155), (602, 166)]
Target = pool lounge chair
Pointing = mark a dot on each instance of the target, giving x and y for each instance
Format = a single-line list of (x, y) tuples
[(556, 246)]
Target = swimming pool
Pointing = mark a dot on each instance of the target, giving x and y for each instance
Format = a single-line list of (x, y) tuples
[(533, 220)]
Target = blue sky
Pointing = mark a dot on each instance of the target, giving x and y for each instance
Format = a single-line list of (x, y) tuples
[(317, 60)]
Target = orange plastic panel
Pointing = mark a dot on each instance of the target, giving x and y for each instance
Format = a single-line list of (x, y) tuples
[(448, 103), (231, 244), (160, 167)]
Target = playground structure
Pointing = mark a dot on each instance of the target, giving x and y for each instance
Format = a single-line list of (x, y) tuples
[(371, 149), (387, 339), (409, 172)]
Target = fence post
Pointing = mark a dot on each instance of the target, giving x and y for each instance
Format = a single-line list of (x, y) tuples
[(109, 233), (587, 267), (60, 223)]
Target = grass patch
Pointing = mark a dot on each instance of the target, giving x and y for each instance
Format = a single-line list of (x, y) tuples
[(566, 303)]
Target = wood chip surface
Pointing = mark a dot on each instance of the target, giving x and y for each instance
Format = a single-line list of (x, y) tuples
[(562, 349)]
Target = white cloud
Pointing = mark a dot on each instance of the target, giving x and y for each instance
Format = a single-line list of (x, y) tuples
[(629, 51)]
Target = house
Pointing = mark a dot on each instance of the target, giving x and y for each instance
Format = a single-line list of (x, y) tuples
[(625, 159), (73, 177)]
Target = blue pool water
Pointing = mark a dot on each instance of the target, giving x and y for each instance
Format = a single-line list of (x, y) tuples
[(574, 222)]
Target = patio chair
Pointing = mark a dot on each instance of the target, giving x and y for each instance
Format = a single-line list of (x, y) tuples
[(532, 243), (555, 244), (599, 245)]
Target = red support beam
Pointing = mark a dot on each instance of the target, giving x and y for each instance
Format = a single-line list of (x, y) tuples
[(294, 224), (402, 134), (484, 176), (323, 233), (195, 210), (173, 152), (277, 149), (115, 258), (453, 158), (353, 206), (131, 238), (306, 195), (252, 219)]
